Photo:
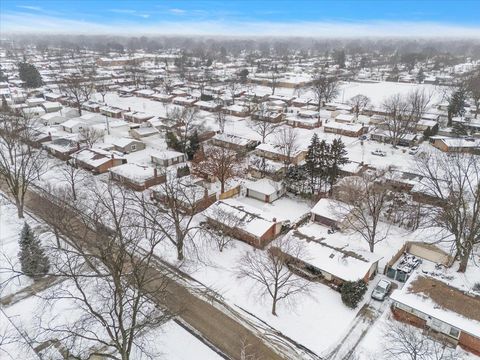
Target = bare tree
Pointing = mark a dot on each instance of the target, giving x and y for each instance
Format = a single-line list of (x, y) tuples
[(262, 126), (20, 164), (186, 119), (221, 119), (73, 175), (217, 162), (405, 342), (359, 103), (454, 179), (269, 269), (363, 202), (233, 86), (219, 232), (173, 215), (404, 113), (324, 87), (90, 136), (102, 88), (79, 86), (110, 277), (288, 141), (273, 79), (473, 87)]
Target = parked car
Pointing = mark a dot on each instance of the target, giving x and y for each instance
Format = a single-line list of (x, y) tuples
[(381, 290), (379, 152), (413, 150)]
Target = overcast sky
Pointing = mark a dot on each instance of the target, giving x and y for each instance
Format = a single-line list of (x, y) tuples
[(244, 17)]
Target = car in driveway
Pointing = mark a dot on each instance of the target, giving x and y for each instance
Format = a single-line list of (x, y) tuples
[(413, 150), (381, 290), (379, 152)]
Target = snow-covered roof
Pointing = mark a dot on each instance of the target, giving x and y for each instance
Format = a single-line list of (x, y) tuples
[(264, 186), (440, 301), (122, 142), (344, 126), (167, 155), (134, 172), (331, 209), (250, 219)]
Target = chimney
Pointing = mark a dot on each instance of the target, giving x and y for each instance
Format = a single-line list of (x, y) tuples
[(205, 193), (113, 156), (274, 220), (129, 109), (78, 146), (155, 172)]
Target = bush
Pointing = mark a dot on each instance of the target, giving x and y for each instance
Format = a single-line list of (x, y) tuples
[(352, 292), (476, 287)]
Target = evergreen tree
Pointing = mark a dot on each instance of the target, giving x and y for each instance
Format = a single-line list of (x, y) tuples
[(30, 75), (313, 162), (456, 104), (3, 77), (34, 262), (173, 142), (352, 292), (420, 76), (193, 144), (337, 158)]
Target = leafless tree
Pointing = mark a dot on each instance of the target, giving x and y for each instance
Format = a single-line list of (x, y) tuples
[(111, 281), (269, 269), (324, 87), (405, 342), (221, 119), (186, 119), (73, 175), (173, 215), (359, 103), (473, 87), (233, 87), (217, 162), (219, 232), (102, 88), (90, 136), (262, 126), (404, 112), (454, 179), (20, 164), (79, 86), (363, 202), (288, 141), (273, 78)]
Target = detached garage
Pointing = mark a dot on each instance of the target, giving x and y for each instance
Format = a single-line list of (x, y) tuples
[(265, 190)]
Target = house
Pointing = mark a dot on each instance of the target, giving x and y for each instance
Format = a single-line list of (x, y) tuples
[(207, 105), (243, 222), (461, 145), (137, 117), (184, 100), (51, 106), (260, 167), (306, 119), (270, 116), (111, 111), (52, 119), (91, 106), (33, 102), (62, 148), (346, 129), (265, 190), (142, 132), (168, 157), (127, 145), (97, 161), (430, 303), (385, 136), (189, 195), (325, 262), (279, 153), (345, 118), (74, 125), (165, 98), (237, 110), (234, 142), (136, 177), (331, 213)]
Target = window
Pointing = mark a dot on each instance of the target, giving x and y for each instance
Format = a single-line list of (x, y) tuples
[(454, 332), (133, 147)]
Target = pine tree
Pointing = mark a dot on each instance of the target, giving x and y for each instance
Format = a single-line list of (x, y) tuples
[(353, 292), (420, 76), (30, 75), (337, 158), (34, 262), (193, 144), (312, 163)]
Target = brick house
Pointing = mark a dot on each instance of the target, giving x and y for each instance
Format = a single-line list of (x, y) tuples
[(429, 303), (136, 177)]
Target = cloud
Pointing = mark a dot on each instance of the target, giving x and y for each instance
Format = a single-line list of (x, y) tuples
[(130, 12), (28, 7), (177, 11), (22, 22)]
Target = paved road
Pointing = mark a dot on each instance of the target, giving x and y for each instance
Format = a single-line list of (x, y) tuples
[(222, 331)]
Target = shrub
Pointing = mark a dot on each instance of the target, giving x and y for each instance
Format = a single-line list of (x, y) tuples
[(352, 292), (33, 260)]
